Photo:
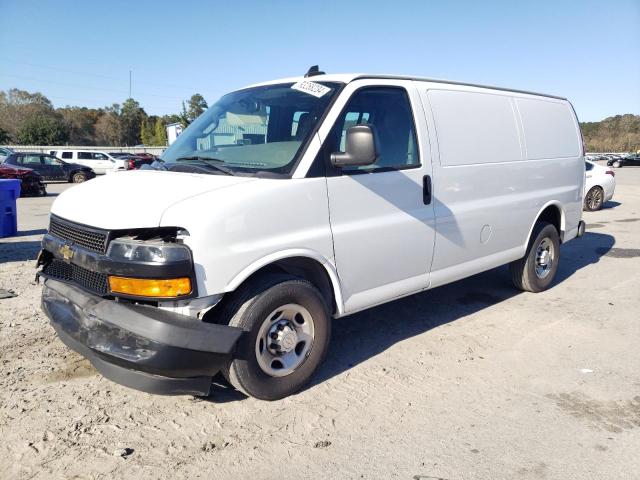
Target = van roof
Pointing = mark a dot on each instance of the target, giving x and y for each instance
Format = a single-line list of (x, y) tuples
[(350, 77)]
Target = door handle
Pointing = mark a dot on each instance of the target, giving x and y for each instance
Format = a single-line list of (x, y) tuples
[(426, 189)]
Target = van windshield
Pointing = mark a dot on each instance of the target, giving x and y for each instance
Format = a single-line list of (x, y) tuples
[(255, 131)]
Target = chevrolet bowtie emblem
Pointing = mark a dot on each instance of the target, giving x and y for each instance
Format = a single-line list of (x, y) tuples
[(67, 252)]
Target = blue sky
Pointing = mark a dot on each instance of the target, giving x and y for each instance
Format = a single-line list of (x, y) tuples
[(80, 52)]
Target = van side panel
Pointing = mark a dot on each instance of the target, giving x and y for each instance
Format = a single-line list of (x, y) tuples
[(549, 128), (487, 192), (475, 128), (552, 132)]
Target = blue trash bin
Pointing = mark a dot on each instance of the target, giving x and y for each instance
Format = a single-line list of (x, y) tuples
[(9, 193)]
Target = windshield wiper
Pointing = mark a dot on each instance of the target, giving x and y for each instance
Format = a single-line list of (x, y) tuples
[(209, 162)]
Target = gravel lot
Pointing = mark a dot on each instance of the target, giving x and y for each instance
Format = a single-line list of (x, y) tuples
[(468, 381)]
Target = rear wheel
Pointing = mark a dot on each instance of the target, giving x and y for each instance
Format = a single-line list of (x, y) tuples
[(287, 328), (79, 177), (537, 269), (593, 199), (616, 164)]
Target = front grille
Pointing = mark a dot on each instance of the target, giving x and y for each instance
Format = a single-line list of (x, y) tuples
[(91, 239), (92, 281)]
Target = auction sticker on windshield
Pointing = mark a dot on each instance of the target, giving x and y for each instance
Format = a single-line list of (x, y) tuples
[(311, 88)]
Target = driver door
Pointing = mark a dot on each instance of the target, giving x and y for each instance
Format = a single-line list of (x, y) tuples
[(381, 218)]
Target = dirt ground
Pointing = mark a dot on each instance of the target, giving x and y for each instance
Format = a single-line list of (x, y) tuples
[(473, 380)]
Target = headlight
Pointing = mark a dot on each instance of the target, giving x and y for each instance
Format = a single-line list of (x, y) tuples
[(139, 251)]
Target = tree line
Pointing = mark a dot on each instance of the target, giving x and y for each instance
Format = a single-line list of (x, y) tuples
[(28, 118), (613, 134)]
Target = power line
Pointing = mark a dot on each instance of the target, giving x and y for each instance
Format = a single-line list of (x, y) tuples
[(88, 74), (53, 82)]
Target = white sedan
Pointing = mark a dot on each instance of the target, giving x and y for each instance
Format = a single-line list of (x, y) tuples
[(599, 185)]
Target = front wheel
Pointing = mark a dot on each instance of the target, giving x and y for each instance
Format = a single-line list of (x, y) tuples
[(79, 177), (616, 164), (287, 329), (535, 271)]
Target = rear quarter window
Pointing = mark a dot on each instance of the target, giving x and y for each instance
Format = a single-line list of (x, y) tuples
[(549, 128)]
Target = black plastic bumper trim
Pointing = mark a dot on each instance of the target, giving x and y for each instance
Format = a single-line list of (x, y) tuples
[(138, 346), (149, 322), (145, 382)]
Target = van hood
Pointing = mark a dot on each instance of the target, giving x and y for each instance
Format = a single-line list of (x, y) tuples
[(134, 199)]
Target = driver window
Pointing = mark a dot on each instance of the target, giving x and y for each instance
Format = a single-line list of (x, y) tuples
[(388, 110)]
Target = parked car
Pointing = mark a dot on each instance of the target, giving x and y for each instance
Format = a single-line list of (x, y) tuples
[(147, 156), (30, 180), (629, 160), (365, 189), (599, 186), (5, 152), (136, 160), (50, 167), (99, 162)]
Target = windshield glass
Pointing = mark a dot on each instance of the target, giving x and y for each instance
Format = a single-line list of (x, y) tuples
[(254, 131)]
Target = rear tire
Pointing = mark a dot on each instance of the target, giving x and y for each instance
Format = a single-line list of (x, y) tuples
[(78, 177), (277, 355), (616, 164), (594, 199), (536, 270)]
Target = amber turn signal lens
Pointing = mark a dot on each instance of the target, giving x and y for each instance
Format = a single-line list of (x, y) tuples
[(145, 287)]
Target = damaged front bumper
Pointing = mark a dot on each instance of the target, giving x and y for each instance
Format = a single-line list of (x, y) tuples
[(139, 346)]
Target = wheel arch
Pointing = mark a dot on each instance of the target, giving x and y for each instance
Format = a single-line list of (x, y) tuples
[(307, 264), (553, 213)]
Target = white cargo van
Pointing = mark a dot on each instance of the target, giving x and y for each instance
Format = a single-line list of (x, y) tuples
[(294, 201), (100, 162)]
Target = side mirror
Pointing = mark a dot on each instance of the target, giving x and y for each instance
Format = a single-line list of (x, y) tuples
[(360, 148)]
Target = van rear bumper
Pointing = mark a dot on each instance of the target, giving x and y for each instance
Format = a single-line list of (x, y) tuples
[(137, 346)]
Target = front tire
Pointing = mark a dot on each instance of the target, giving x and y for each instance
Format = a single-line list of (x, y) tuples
[(287, 329), (78, 177), (536, 270), (594, 199), (616, 164)]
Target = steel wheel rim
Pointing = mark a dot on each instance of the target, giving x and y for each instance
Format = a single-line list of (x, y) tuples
[(545, 257), (285, 340)]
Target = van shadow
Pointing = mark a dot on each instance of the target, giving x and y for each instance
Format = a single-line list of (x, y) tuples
[(19, 251), (359, 337), (364, 335)]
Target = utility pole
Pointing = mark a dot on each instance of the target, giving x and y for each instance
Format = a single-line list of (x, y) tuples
[(129, 83)]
